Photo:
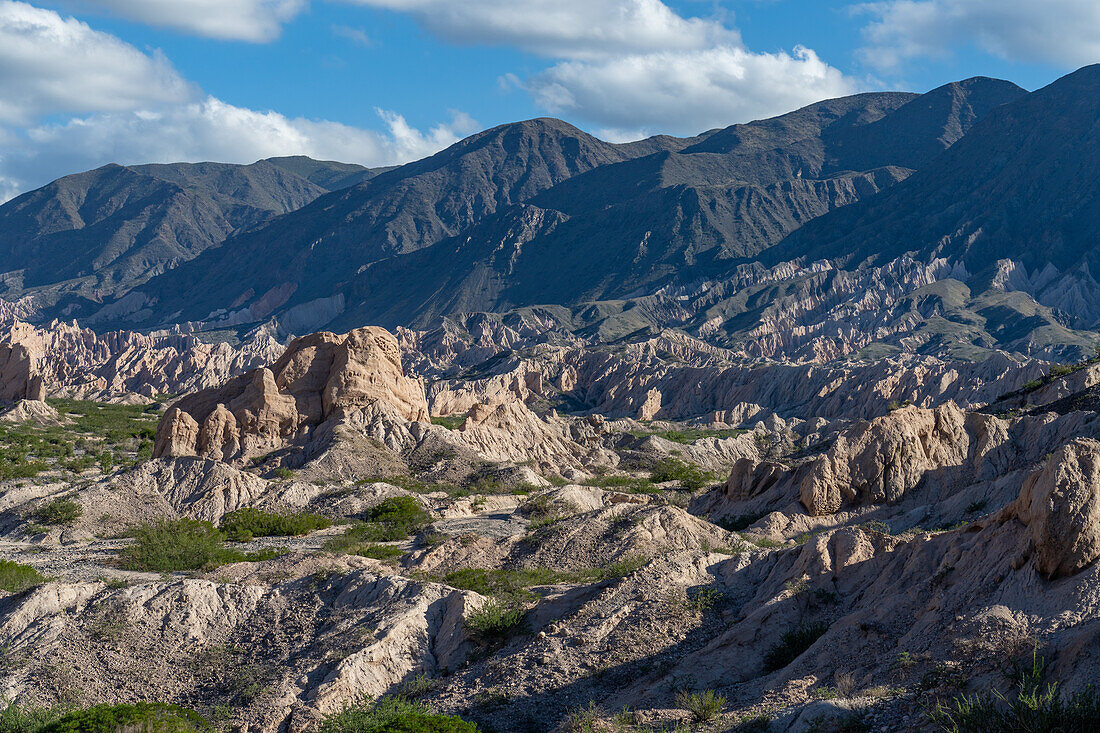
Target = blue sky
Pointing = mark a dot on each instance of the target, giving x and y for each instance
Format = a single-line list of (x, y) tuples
[(85, 82)]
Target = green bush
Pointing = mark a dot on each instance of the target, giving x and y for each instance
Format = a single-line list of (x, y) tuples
[(394, 519), (148, 717), (1032, 708), (181, 545), (282, 473), (244, 524), (15, 578), (690, 477), (792, 644), (392, 715), (703, 706), (496, 620), (60, 511)]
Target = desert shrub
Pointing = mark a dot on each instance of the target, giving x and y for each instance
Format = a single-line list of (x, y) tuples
[(394, 519), (378, 552), (496, 620), (703, 706), (739, 522), (392, 715), (504, 583), (16, 718), (632, 484), (792, 644), (183, 544), (398, 517), (59, 511), (451, 422), (673, 469), (147, 717), (543, 510), (1031, 708), (15, 578), (244, 524), (282, 472)]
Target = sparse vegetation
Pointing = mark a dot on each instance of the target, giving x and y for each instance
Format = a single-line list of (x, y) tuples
[(392, 715), (384, 553), (396, 518), (182, 545), (739, 522), (496, 620), (62, 510), (690, 477), (631, 484), (792, 644), (244, 524), (96, 434), (451, 422), (704, 706), (16, 578), (147, 717), (688, 435), (543, 511), (1031, 708), (513, 584), (17, 718)]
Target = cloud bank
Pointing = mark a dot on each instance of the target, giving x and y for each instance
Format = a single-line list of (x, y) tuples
[(1064, 33), (118, 104)]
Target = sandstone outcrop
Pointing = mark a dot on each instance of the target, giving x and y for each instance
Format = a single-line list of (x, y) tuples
[(1060, 503), (320, 377), (79, 363), (19, 377)]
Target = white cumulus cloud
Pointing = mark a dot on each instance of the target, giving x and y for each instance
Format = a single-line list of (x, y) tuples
[(687, 92), (238, 20), (632, 67), (1061, 32), (563, 28), (117, 104), (50, 64)]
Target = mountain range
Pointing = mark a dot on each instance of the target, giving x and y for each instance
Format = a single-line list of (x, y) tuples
[(864, 220)]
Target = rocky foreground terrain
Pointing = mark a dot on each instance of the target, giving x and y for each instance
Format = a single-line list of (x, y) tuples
[(536, 535)]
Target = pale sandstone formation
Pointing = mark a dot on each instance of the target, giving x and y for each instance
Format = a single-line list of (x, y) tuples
[(32, 411), (1060, 503), (19, 377), (672, 376), (321, 377), (913, 467), (509, 431), (80, 363), (170, 625), (196, 487)]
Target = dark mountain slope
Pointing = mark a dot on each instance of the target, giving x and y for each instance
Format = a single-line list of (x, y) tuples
[(115, 226), (1021, 185), (540, 212), (403, 210)]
